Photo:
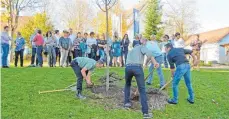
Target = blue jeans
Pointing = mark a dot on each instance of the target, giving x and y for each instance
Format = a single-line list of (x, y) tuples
[(39, 55), (138, 73), (159, 60), (165, 60), (34, 51), (101, 54), (124, 57), (182, 70), (5, 52)]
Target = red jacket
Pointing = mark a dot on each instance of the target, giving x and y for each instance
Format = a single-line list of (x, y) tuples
[(39, 40)]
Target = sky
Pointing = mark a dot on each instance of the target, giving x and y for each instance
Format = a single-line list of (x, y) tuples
[(211, 14)]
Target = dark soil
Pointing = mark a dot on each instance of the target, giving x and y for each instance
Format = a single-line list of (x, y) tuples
[(113, 98)]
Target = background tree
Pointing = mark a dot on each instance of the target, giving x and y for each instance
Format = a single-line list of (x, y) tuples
[(14, 8), (180, 16), (153, 19), (40, 21), (78, 14), (106, 5), (99, 23)]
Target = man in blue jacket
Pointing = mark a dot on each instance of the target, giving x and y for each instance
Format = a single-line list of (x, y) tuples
[(177, 56)]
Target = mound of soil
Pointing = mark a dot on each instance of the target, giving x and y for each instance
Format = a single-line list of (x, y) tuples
[(113, 99)]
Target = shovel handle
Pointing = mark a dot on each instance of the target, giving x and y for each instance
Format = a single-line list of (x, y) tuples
[(166, 84), (51, 91), (135, 93)]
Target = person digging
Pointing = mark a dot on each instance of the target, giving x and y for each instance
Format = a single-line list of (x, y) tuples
[(177, 56), (135, 59), (83, 67)]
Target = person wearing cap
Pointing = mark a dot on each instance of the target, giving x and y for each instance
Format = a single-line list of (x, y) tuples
[(178, 42), (156, 52), (65, 45), (177, 56), (83, 68), (135, 59)]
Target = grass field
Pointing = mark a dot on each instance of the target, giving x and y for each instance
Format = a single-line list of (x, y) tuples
[(20, 98)]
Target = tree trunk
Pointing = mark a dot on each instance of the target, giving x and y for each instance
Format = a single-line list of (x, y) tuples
[(108, 57)]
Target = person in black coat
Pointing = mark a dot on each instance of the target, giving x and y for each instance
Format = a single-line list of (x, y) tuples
[(124, 45)]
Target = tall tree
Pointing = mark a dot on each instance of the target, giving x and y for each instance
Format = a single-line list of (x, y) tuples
[(40, 21), (180, 16), (14, 8), (153, 19)]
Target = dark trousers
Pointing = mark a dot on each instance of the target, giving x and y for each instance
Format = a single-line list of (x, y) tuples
[(17, 53), (77, 53), (137, 72), (124, 57), (165, 60), (39, 55), (111, 58), (58, 55), (77, 71), (69, 58), (34, 51)]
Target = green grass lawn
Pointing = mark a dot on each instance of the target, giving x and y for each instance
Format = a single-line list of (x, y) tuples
[(20, 98)]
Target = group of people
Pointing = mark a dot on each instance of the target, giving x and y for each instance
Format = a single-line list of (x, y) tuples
[(174, 53), (89, 53)]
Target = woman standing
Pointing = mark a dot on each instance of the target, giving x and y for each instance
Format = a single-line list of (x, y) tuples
[(50, 43), (102, 45), (19, 50), (136, 41), (125, 44), (116, 49), (91, 46), (76, 46)]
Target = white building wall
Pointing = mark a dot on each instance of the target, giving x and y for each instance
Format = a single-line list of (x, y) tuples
[(209, 52)]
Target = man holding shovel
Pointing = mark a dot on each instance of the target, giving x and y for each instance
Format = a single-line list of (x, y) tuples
[(83, 67), (135, 59), (177, 56)]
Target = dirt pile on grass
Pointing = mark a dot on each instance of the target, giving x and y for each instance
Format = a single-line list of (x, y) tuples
[(113, 99)]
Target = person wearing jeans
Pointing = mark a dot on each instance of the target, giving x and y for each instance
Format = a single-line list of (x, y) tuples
[(5, 38), (135, 59), (39, 41), (34, 49), (19, 49), (177, 56), (156, 52), (162, 45), (125, 47), (82, 67), (50, 43), (65, 45), (159, 59), (57, 49)]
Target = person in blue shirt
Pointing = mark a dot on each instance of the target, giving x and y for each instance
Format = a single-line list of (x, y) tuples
[(136, 41), (177, 56), (116, 49), (19, 49), (156, 52)]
